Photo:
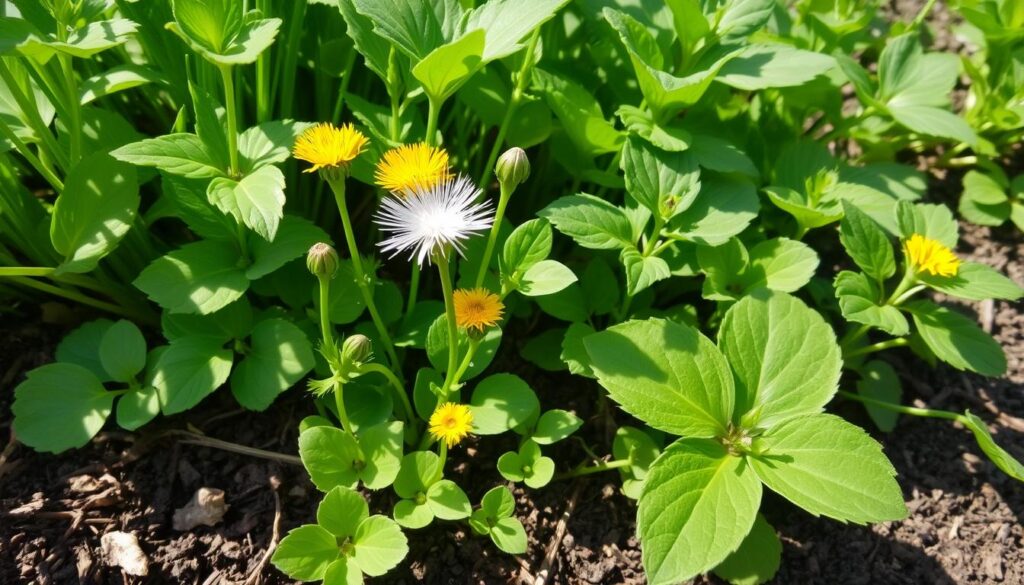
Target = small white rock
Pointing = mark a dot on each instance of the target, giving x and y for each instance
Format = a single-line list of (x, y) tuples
[(206, 508), (121, 549)]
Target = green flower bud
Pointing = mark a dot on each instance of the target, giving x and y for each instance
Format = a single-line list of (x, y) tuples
[(356, 349), (513, 167), (322, 260)]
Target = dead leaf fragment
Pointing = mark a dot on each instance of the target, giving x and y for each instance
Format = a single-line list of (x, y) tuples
[(206, 508), (121, 549)]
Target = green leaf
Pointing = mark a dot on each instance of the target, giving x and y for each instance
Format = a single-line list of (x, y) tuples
[(934, 122), (697, 505), (879, 381), (413, 515), (742, 18), (663, 182), (209, 124), (117, 79), (725, 207), (379, 545), (507, 22), (976, 282), (82, 347), (268, 143), (502, 402), (123, 351), (801, 208), (437, 348), (716, 154), (279, 356), (341, 511), (760, 335), (930, 220), (527, 245), (997, 454), (780, 264), (725, 266), (509, 535), (668, 375), (329, 453), (417, 473), (510, 466), (60, 407), (412, 331), (95, 37), (670, 137), (590, 221), (189, 370), (178, 154), (201, 277), (859, 299), (142, 404), (543, 350), (866, 243), (756, 560), (579, 113), (382, 445), (211, 24), (94, 212), (957, 340), (295, 236), (343, 571), (574, 353), (306, 552), (415, 28), (447, 67), (257, 200), (555, 425), (762, 66), (232, 322), (643, 271), (447, 501), (984, 200), (370, 45), (829, 467), (546, 277), (641, 450)]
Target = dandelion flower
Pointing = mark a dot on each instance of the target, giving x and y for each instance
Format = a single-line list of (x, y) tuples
[(451, 423), (412, 166), (928, 255), (477, 308), (426, 221), (327, 146)]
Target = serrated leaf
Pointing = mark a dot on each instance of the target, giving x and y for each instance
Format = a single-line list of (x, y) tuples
[(866, 243), (257, 200), (447, 67), (859, 301), (590, 221), (177, 154), (957, 340), (643, 271), (976, 282)]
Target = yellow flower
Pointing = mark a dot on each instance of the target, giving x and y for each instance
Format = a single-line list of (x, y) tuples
[(327, 146), (928, 255), (477, 308), (451, 423), (412, 166)]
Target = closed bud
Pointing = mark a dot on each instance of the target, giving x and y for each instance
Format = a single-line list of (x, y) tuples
[(513, 167), (356, 349), (322, 260)]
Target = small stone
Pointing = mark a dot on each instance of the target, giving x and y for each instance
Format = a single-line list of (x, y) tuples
[(206, 508), (121, 549)]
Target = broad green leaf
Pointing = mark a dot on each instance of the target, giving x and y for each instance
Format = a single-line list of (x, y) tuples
[(411, 514), (527, 245), (279, 356), (643, 271), (957, 340), (306, 552), (341, 511), (934, 121), (257, 200), (94, 212), (930, 220), (802, 209), (997, 454), (211, 24), (187, 201), (502, 402), (741, 18), (725, 207), (447, 67), (878, 381), (983, 188), (555, 425), (671, 137), (509, 535), (418, 471), (716, 154), (117, 79), (866, 243), (859, 301), (760, 335), (543, 350), (343, 571), (379, 545), (568, 304), (590, 221), (507, 22), (416, 27), (574, 354), (447, 501), (579, 112), (663, 182), (95, 37), (60, 407), (726, 269), (437, 348), (123, 351), (829, 467), (329, 455), (697, 505), (268, 143), (976, 282), (369, 44), (141, 405), (382, 445), (201, 277), (232, 322), (209, 124), (412, 331), (641, 450), (295, 236), (780, 264), (498, 502), (189, 370), (177, 154), (762, 66), (82, 347), (546, 277), (510, 466), (756, 560), (668, 375)]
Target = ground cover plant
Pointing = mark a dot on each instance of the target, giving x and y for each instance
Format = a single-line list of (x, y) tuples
[(708, 212)]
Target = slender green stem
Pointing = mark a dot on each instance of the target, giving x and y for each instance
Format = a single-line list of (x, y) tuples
[(32, 159), (881, 345), (26, 271), (396, 384), (232, 115), (394, 94), (433, 111), (346, 79), (73, 295), (513, 105), (492, 239), (652, 244), (414, 289), (338, 186), (31, 112), (339, 403), (291, 57), (588, 470), (74, 107), (442, 456), (919, 19), (326, 328), (467, 360), (925, 412), (453, 333), (263, 75)]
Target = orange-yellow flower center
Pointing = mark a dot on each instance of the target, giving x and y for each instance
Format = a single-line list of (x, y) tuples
[(412, 166), (327, 146), (931, 256), (477, 309)]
